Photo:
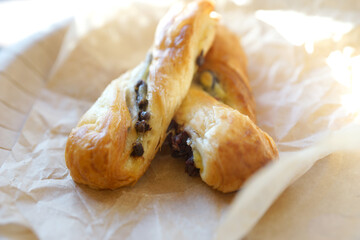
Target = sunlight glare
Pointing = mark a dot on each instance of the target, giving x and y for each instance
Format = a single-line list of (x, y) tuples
[(300, 29), (346, 70)]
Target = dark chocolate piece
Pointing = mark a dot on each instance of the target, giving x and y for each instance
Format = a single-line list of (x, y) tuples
[(141, 91), (178, 142), (179, 146), (142, 126), (200, 59), (144, 115), (143, 103), (190, 167), (172, 125), (137, 150), (138, 84)]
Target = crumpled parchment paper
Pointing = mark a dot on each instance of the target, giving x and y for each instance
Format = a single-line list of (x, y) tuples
[(304, 61)]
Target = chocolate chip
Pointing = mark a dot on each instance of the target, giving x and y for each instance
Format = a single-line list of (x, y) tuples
[(179, 145), (200, 59), (143, 103), (172, 125), (168, 139), (181, 138), (178, 141), (142, 126), (190, 168), (137, 150), (138, 84), (144, 116), (141, 91)]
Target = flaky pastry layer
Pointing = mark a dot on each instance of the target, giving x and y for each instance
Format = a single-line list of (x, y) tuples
[(230, 145), (112, 145), (219, 115)]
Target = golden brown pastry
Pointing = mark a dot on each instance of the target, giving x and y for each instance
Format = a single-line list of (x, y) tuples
[(224, 73), (221, 143), (116, 139)]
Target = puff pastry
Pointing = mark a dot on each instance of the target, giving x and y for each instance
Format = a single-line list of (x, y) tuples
[(224, 73), (116, 139), (221, 143)]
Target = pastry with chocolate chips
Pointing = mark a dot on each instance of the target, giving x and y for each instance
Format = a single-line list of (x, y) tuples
[(215, 131), (117, 138)]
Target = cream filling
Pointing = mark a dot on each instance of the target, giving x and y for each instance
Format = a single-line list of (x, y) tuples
[(211, 85)]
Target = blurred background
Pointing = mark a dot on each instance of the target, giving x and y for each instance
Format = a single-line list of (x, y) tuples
[(21, 18)]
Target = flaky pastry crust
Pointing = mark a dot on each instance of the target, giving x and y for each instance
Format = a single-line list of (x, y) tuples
[(227, 60), (100, 149), (229, 146)]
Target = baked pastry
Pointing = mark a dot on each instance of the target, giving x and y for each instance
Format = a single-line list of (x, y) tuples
[(221, 143), (116, 139), (224, 73)]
